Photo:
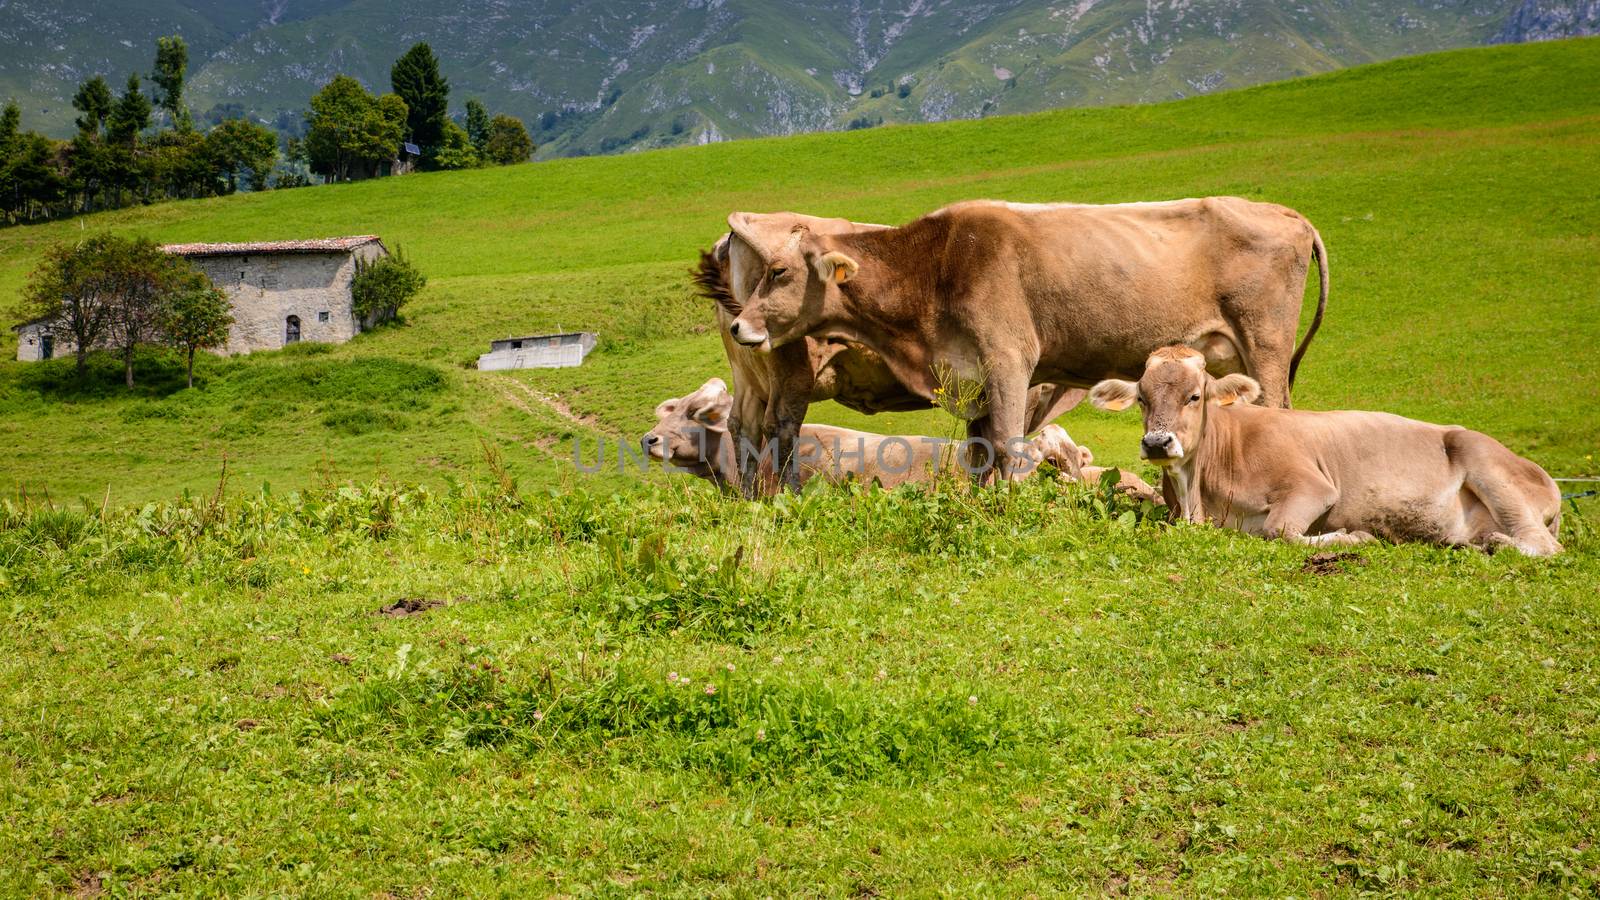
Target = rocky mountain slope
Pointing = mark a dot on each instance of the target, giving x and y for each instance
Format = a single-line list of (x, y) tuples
[(596, 78)]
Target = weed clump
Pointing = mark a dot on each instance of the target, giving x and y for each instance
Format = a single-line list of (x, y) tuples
[(647, 586), (732, 727)]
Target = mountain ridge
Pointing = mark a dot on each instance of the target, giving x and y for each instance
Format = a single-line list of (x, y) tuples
[(650, 73)]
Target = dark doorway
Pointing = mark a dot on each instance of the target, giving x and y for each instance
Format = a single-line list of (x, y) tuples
[(291, 331), (47, 346)]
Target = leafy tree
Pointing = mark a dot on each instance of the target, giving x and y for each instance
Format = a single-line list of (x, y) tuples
[(381, 287), (241, 147), (347, 127), (129, 116), (415, 78), (477, 125), (178, 164), (143, 278), (455, 149), (71, 289), (172, 65), (30, 177), (94, 101), (195, 315), (508, 141)]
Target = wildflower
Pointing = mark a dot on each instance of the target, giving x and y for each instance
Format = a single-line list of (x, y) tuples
[(882, 674), (730, 667), (761, 734), (972, 700), (710, 689), (305, 570), (538, 715), (777, 660), (672, 678)]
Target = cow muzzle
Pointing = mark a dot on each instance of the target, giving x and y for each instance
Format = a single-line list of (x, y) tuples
[(749, 337), (654, 445), (1160, 447)]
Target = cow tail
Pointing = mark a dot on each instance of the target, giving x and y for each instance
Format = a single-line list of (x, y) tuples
[(1321, 254)]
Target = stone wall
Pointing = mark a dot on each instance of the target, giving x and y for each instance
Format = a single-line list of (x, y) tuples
[(30, 343), (264, 290)]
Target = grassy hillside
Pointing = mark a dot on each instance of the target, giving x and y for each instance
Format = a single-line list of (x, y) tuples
[(513, 679), (1454, 192)]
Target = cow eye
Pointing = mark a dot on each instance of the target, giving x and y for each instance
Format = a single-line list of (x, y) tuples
[(1194, 398), (778, 272)]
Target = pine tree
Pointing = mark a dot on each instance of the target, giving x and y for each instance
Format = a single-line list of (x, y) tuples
[(415, 77), (477, 125), (94, 100), (172, 65), (10, 126), (130, 116)]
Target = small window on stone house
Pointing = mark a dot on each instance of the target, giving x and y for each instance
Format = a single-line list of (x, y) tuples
[(516, 345), (322, 316)]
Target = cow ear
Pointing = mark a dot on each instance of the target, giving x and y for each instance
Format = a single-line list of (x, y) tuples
[(1235, 388), (1085, 456), (713, 403), (1114, 394), (836, 267)]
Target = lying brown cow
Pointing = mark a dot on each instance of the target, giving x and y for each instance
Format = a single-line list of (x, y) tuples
[(692, 433), (1330, 477), (1011, 295), (1075, 463), (772, 391)]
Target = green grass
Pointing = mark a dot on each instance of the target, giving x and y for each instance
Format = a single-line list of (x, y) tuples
[(837, 693), (200, 696)]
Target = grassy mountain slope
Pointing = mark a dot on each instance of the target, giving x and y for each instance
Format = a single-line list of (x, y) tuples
[(590, 685), (1441, 185), (601, 79)]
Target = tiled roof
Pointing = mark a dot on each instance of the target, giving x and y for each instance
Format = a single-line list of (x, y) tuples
[(316, 245)]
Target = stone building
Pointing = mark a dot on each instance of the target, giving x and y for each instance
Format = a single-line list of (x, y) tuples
[(280, 292), (539, 351)]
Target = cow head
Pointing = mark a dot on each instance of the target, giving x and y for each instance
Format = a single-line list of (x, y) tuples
[(791, 272), (689, 428), (1174, 393), (1054, 445)]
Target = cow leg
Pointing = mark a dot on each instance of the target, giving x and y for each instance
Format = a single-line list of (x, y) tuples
[(795, 381), (1008, 417), (1290, 518), (1340, 538), (1268, 360)]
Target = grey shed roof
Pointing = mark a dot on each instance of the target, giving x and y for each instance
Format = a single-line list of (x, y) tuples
[(314, 245)]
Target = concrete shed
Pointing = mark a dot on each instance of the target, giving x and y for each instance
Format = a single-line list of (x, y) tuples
[(539, 351)]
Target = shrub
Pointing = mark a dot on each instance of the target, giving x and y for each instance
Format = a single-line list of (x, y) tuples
[(381, 287)]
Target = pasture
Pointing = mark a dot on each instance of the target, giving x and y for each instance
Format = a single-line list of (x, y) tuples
[(614, 683)]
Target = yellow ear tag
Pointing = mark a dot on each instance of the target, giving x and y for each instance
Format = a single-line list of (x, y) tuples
[(713, 416), (840, 274)]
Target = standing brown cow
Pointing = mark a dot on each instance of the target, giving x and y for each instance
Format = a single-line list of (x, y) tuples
[(772, 391), (1010, 295)]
